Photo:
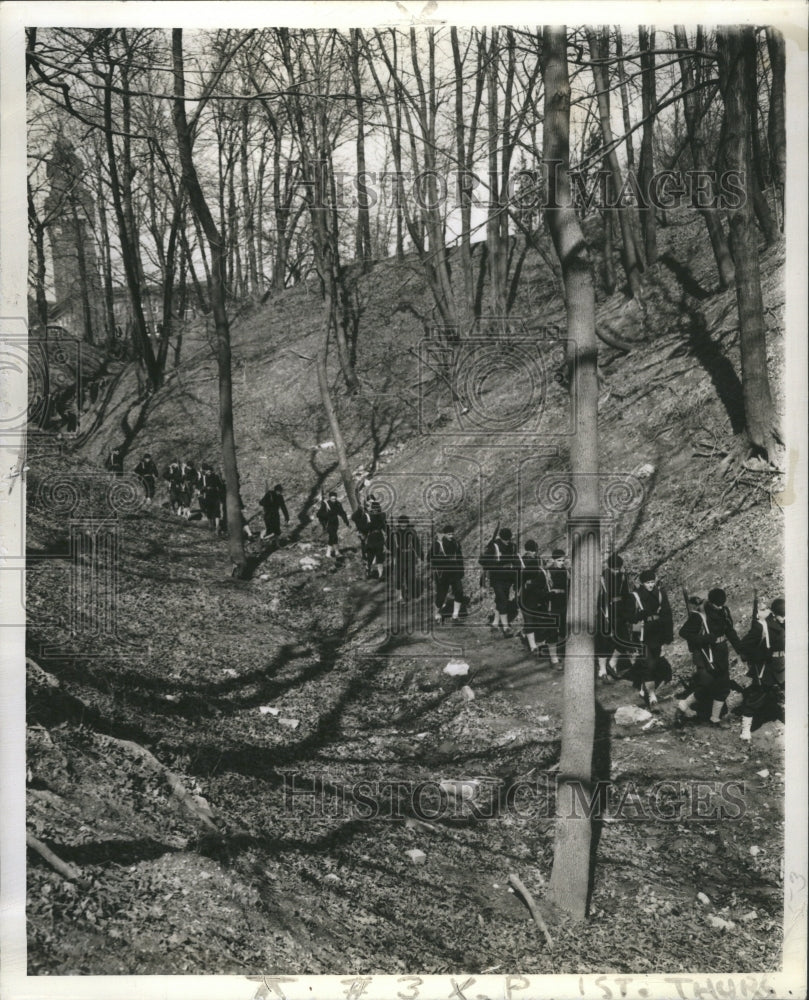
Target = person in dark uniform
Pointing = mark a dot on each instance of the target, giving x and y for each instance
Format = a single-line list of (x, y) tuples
[(329, 514), (376, 539), (361, 518), (707, 630), (446, 562), (531, 587), (115, 462), (147, 471), (612, 630), (71, 420), (405, 555), (764, 647), (174, 478), (648, 612), (211, 496), (554, 590), (498, 560), (272, 503), (188, 484)]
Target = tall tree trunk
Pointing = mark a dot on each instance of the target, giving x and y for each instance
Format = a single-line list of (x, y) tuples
[(199, 206), (259, 227), (328, 406), (619, 56), (646, 40), (129, 255), (734, 45), (693, 122), (776, 123), (38, 232), (630, 258), (248, 205), (189, 262), (106, 255), (463, 180), (570, 876), (362, 240), (609, 262), (494, 241), (761, 206)]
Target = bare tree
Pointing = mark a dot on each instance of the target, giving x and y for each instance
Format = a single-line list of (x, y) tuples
[(776, 123), (199, 206), (599, 56), (735, 45), (646, 39), (693, 112), (569, 883)]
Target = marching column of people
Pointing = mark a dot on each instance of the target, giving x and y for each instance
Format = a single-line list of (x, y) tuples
[(633, 624)]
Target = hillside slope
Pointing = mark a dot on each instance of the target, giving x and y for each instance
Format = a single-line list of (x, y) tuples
[(675, 395)]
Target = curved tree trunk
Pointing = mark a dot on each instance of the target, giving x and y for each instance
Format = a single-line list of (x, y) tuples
[(570, 877), (200, 209)]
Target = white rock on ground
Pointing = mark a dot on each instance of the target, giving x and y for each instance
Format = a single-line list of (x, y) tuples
[(630, 715), (468, 693), (290, 723), (416, 856), (457, 668), (460, 789)]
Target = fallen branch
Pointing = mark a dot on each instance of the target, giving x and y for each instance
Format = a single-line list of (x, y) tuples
[(65, 870), (516, 883)]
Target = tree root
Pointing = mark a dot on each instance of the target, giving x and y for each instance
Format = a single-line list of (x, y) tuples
[(193, 804), (612, 341), (65, 870), (516, 882)]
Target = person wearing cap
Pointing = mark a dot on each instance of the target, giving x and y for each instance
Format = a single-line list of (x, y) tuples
[(147, 471), (498, 560), (377, 540), (211, 496), (446, 562), (329, 514), (530, 594), (555, 589), (188, 484), (708, 630), (174, 478), (405, 555), (272, 503), (764, 647), (648, 613), (612, 631), (361, 519)]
